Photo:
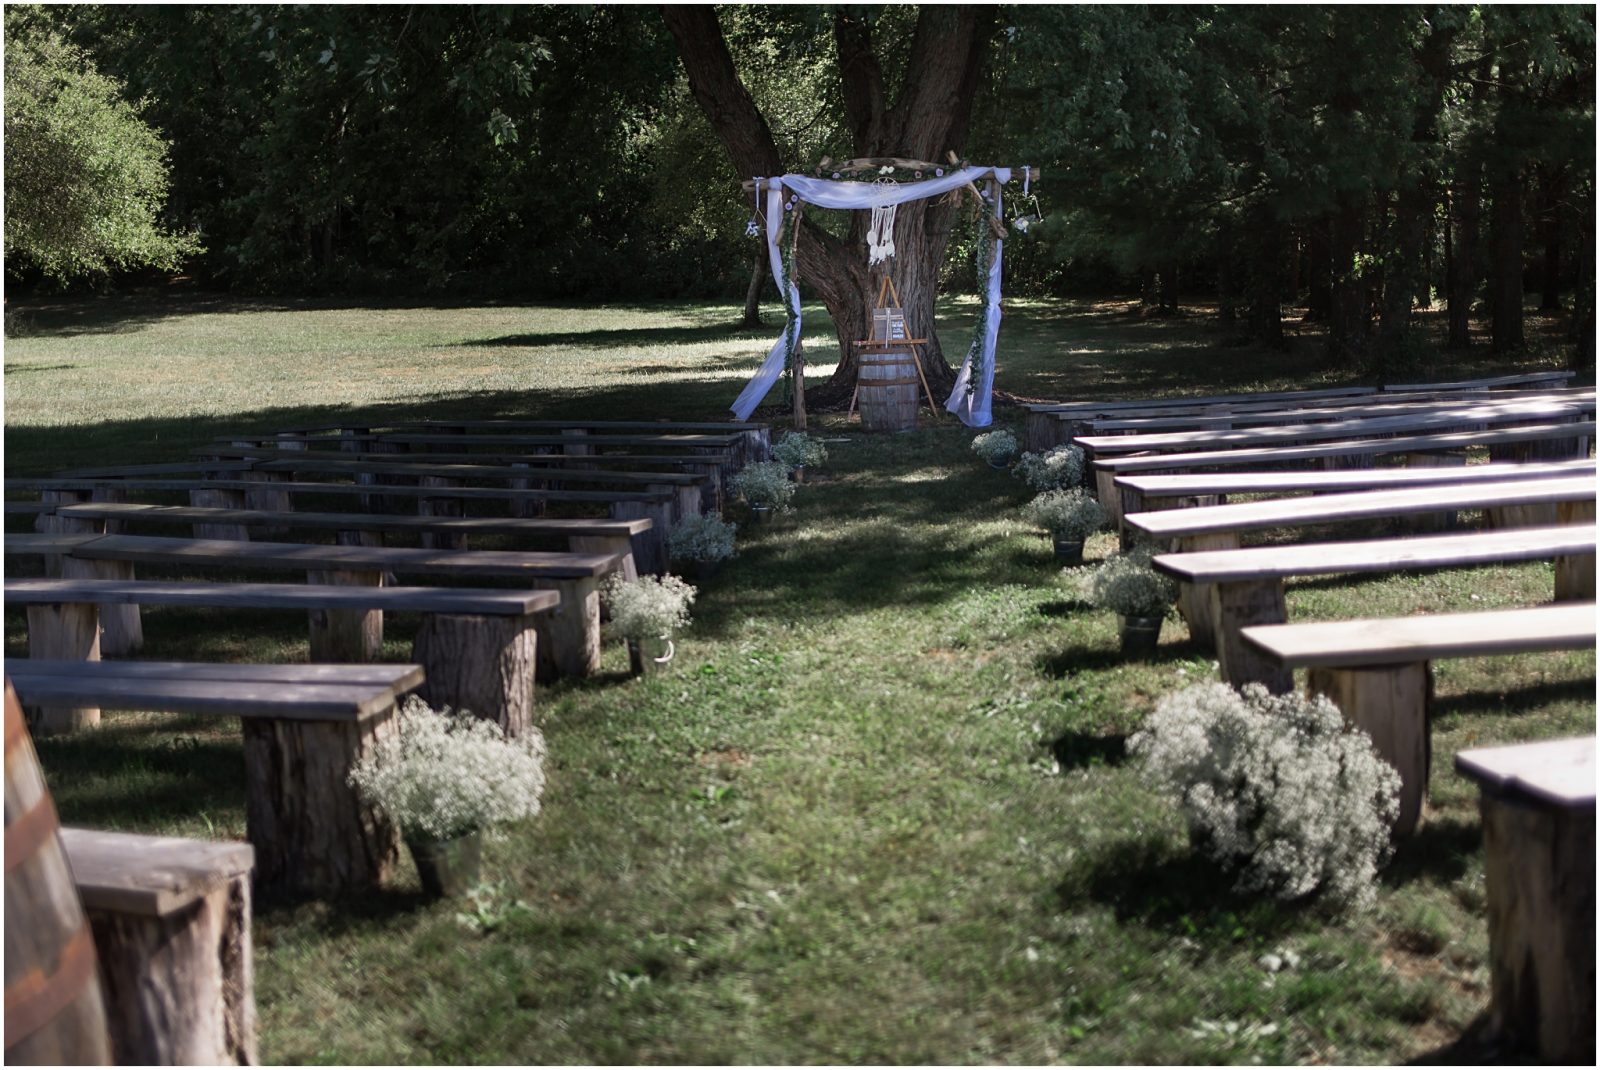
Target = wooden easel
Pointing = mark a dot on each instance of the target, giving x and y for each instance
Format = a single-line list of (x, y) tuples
[(893, 337)]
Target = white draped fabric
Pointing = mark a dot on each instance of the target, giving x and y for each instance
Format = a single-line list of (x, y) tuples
[(973, 409)]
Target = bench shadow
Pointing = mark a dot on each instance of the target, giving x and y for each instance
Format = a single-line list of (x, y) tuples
[(1083, 750), (1514, 701), (1440, 850), (1074, 660), (1476, 1046)]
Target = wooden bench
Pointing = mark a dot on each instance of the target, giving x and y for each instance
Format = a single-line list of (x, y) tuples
[(1228, 417), (1537, 805), (649, 549), (1348, 453), (1377, 671), (1142, 493), (367, 529), (1044, 429), (1562, 499), (478, 647), (304, 727), (1234, 589), (171, 925), (1498, 381), (568, 634)]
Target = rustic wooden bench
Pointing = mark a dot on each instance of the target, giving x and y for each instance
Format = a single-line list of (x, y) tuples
[(568, 633), (1537, 805), (1349, 453), (1151, 493), (1241, 417), (649, 549), (1376, 671), (1560, 499), (1044, 427), (478, 647), (1498, 381), (1234, 589), (304, 727), (367, 529), (171, 925)]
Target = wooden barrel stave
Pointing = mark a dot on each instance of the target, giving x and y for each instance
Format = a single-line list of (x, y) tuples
[(888, 391)]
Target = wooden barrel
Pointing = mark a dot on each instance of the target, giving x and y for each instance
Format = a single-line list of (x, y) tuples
[(55, 1011), (887, 388)]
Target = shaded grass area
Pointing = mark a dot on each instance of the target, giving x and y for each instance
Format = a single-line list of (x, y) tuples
[(879, 810)]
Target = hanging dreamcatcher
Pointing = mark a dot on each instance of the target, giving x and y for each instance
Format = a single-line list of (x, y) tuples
[(880, 235)]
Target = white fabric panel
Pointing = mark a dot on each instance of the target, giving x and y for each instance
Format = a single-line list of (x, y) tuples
[(826, 193), (973, 409), (767, 375)]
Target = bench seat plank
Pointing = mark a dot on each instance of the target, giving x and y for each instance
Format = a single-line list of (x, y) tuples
[(600, 497), (1277, 512), (396, 679), (1560, 772), (1379, 555), (1351, 447), (1230, 418), (273, 699), (1399, 640), (484, 603), (154, 876), (1213, 399), (181, 514), (319, 461), (1165, 486), (1495, 381)]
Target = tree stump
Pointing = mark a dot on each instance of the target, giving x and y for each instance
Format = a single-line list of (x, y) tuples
[(68, 631), (121, 627), (171, 922), (1390, 704), (481, 664), (569, 634), (1432, 522), (1235, 606), (444, 507), (1575, 572), (55, 1006), (219, 499), (310, 829), (1196, 601), (346, 635), (607, 544)]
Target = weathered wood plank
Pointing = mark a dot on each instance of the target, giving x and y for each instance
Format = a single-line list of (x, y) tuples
[(1163, 486), (245, 698), (495, 602), (1559, 772), (397, 679), (151, 875), (554, 527), (1398, 640)]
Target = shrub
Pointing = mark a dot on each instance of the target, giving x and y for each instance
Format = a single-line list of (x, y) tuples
[(702, 537), (1067, 514), (1126, 584), (1055, 469), (444, 775), (1277, 788), (647, 607), (799, 450), (996, 447), (764, 483)]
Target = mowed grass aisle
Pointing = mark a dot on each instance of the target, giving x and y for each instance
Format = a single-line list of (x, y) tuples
[(877, 813)]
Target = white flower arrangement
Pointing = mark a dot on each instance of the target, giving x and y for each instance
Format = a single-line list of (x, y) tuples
[(1278, 788), (1126, 584), (1055, 469), (701, 537), (648, 607), (445, 775), (799, 450), (1067, 514), (996, 447), (764, 483)]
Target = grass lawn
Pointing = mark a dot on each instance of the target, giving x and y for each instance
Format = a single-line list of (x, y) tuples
[(878, 812)]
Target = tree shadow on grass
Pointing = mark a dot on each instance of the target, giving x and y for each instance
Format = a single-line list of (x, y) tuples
[(1083, 750), (1512, 702), (1440, 850), (1074, 660), (1182, 893), (623, 338)]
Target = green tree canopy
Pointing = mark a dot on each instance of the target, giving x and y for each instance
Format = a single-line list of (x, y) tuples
[(86, 177)]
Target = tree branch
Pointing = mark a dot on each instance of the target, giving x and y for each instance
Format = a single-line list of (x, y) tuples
[(719, 91), (861, 81)]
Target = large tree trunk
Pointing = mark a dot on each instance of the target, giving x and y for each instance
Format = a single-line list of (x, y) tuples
[(1319, 280), (1266, 279), (1506, 276), (752, 296), (1551, 181), (1464, 216), (1347, 319), (1581, 331), (927, 119)]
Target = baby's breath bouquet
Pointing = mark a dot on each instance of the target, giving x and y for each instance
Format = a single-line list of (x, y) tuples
[(996, 447), (701, 537), (442, 776), (764, 483), (799, 450), (648, 607), (1069, 515), (1276, 788), (1054, 469), (1126, 584)]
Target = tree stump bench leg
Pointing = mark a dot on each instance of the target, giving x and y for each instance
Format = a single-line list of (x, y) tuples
[(268, 499), (310, 828), (68, 631), (1234, 607), (1434, 522), (1196, 600), (649, 547), (526, 507), (180, 988), (219, 499), (444, 507), (485, 665), (1390, 704), (1105, 489), (1532, 515), (569, 634), (1575, 572), (121, 627), (346, 635), (607, 544), (1539, 870)]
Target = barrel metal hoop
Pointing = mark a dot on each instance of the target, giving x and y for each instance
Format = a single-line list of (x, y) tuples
[(34, 999), (28, 833), (864, 383)]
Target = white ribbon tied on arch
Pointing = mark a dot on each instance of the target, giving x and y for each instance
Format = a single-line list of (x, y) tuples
[(971, 409)]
